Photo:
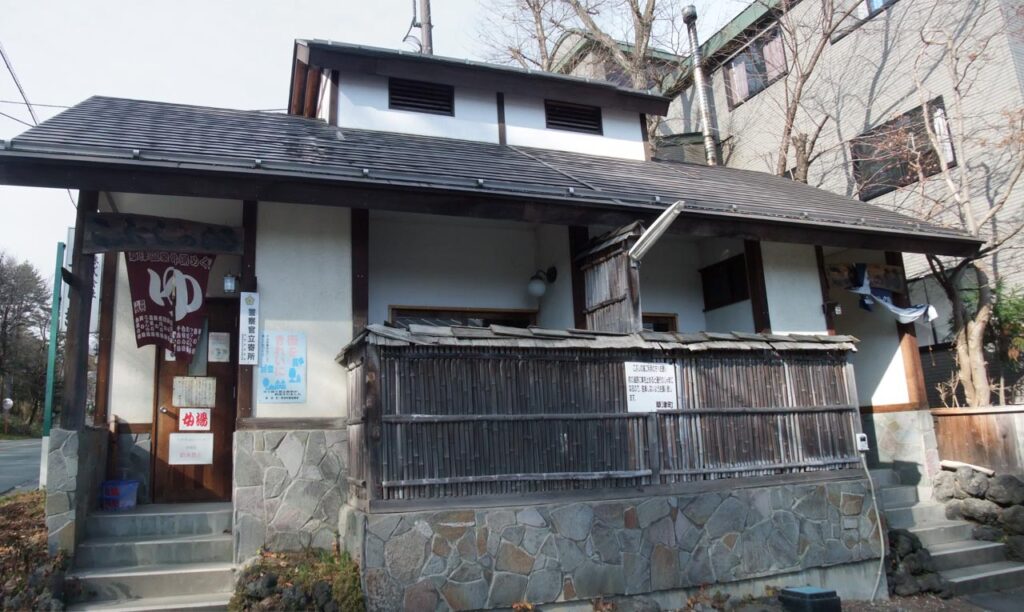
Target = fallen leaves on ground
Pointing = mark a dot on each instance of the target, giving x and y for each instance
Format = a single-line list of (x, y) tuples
[(30, 576)]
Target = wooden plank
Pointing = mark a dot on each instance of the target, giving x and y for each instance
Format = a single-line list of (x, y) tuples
[(112, 232), (502, 137), (360, 229), (250, 219), (300, 70), (908, 340), (826, 293), (538, 476), (108, 286), (122, 427), (251, 423), (578, 239), (373, 401), (332, 99), (758, 290), (76, 347), (983, 410), (311, 97)]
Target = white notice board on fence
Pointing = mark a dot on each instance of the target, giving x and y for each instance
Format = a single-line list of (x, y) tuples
[(650, 386)]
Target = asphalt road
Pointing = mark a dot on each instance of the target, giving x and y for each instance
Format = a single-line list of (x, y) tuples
[(19, 464)]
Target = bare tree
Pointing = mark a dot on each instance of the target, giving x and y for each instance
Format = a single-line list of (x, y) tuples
[(525, 32)]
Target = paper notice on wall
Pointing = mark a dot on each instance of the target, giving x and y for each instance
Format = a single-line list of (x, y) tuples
[(190, 449), (249, 329), (650, 386), (283, 368), (194, 419), (219, 347), (194, 392)]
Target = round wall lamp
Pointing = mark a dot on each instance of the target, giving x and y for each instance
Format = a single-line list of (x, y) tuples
[(538, 284)]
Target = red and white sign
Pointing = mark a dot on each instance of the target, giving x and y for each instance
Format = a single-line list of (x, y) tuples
[(168, 298), (193, 419), (190, 449)]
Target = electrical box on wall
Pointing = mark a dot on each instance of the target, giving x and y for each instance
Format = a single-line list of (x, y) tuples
[(862, 443)]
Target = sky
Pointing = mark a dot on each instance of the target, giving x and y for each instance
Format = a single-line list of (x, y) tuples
[(226, 53)]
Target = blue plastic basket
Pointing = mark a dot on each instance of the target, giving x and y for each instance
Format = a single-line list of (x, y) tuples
[(119, 494)]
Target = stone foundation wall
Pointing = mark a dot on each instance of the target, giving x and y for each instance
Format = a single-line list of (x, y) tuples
[(904, 442), (288, 489), (467, 559), (133, 461), (76, 465)]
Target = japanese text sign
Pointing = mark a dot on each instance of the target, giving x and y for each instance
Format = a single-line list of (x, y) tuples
[(283, 368), (249, 329), (190, 449), (650, 386), (194, 419)]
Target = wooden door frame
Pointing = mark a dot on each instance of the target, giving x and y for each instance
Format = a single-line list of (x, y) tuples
[(154, 435)]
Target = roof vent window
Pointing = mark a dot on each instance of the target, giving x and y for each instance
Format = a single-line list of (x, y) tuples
[(421, 97), (573, 117)]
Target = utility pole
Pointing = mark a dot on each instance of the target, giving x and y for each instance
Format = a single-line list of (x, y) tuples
[(426, 28)]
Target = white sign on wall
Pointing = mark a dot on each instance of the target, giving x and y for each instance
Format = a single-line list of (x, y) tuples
[(218, 347), (194, 392), (190, 449), (249, 329), (650, 386), (283, 368), (194, 419)]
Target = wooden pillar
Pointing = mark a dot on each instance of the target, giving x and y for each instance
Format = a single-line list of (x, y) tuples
[(332, 99), (250, 219), (827, 307), (916, 391), (502, 133), (76, 346), (578, 238), (108, 289), (755, 283), (648, 148), (360, 269)]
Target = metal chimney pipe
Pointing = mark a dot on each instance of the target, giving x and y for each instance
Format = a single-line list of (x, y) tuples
[(426, 28), (701, 82)]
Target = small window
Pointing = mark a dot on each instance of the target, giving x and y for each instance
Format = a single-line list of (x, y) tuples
[(573, 117), (660, 322), (725, 282), (899, 152), (753, 69), (864, 11), (404, 316), (421, 97)]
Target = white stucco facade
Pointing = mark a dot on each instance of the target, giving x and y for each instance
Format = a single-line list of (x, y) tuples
[(793, 285)]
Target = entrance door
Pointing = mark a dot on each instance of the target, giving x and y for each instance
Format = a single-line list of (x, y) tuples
[(184, 471)]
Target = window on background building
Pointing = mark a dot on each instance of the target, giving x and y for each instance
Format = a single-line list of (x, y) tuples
[(899, 152), (756, 67), (404, 316), (725, 282), (863, 11), (660, 322), (869, 8)]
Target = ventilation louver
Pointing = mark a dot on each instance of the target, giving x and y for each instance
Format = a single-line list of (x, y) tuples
[(574, 117), (421, 97)]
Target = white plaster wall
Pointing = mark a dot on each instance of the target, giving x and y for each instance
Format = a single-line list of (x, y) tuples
[(525, 126), (132, 368), (363, 104), (424, 260), (304, 270), (670, 282), (734, 317), (878, 362), (793, 286)]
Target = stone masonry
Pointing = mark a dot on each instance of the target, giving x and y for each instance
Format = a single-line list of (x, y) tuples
[(288, 489), (492, 558), (76, 461)]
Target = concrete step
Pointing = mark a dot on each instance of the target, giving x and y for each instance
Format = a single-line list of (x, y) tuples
[(987, 577), (957, 555), (921, 514), (884, 478), (161, 520), (942, 532), (119, 584), (197, 603), (153, 550), (898, 497)]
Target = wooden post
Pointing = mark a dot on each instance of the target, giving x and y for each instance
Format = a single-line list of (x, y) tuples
[(373, 423), (578, 238), (827, 306), (360, 227), (108, 289), (250, 220), (758, 291), (916, 390), (76, 348)]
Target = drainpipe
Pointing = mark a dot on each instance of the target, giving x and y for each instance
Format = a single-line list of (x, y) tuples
[(426, 28), (701, 82)]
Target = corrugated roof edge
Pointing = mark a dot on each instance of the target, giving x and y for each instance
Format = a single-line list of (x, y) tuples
[(369, 51), (535, 337)]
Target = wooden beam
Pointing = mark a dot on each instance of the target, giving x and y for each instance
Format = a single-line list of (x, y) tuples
[(332, 99), (312, 95), (502, 138), (909, 350), (648, 149), (76, 347), (108, 290), (360, 227), (113, 232), (299, 74), (250, 218), (758, 290), (579, 237), (827, 306), (318, 424)]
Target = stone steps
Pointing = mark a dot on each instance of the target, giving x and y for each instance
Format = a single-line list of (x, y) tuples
[(922, 513), (987, 577), (942, 532), (156, 557), (898, 496), (957, 555)]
